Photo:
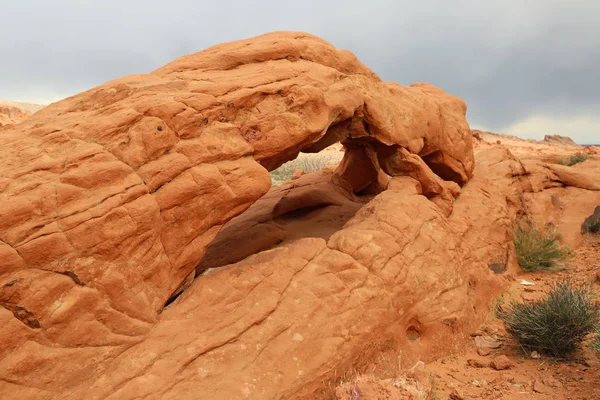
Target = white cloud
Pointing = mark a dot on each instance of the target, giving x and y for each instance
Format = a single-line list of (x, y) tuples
[(583, 129), (509, 60)]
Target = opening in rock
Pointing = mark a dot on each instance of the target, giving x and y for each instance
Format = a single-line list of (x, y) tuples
[(440, 165), (413, 333), (313, 195)]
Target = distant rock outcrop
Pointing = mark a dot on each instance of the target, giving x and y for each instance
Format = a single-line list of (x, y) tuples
[(592, 150), (561, 140), (12, 112)]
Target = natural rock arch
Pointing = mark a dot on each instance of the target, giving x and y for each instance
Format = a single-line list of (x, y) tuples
[(108, 199), (143, 170)]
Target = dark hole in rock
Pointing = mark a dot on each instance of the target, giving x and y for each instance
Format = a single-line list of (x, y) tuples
[(499, 263), (497, 268), (439, 163), (300, 213), (413, 333)]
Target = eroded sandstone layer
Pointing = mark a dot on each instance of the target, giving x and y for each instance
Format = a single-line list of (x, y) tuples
[(110, 199)]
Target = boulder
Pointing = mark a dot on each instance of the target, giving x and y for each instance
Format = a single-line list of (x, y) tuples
[(501, 363)]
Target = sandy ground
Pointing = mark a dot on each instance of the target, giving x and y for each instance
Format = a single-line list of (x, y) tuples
[(527, 377), (469, 375)]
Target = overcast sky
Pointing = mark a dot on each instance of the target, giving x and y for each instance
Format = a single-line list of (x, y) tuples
[(527, 67)]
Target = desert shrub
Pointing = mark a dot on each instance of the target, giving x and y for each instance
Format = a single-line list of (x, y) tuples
[(576, 158), (594, 226), (556, 325), (562, 160), (307, 163), (595, 344), (538, 249)]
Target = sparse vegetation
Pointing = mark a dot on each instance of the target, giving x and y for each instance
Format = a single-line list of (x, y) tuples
[(538, 249), (595, 344), (307, 163), (576, 158), (556, 325), (594, 226)]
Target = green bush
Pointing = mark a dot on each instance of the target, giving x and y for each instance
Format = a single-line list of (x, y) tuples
[(538, 250), (576, 158), (556, 325)]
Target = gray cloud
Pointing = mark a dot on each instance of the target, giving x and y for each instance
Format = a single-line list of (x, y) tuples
[(509, 60)]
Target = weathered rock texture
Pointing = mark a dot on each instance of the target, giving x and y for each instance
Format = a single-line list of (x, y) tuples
[(561, 195), (12, 112), (109, 200), (309, 206)]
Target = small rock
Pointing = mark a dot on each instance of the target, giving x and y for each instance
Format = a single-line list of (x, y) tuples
[(419, 372), (297, 173), (456, 395), (297, 337), (478, 383), (498, 142), (477, 363), (486, 342), (539, 387), (550, 381), (535, 355), (484, 351), (491, 330), (500, 363), (505, 308)]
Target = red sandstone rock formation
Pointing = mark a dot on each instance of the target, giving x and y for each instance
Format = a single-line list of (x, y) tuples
[(110, 199)]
